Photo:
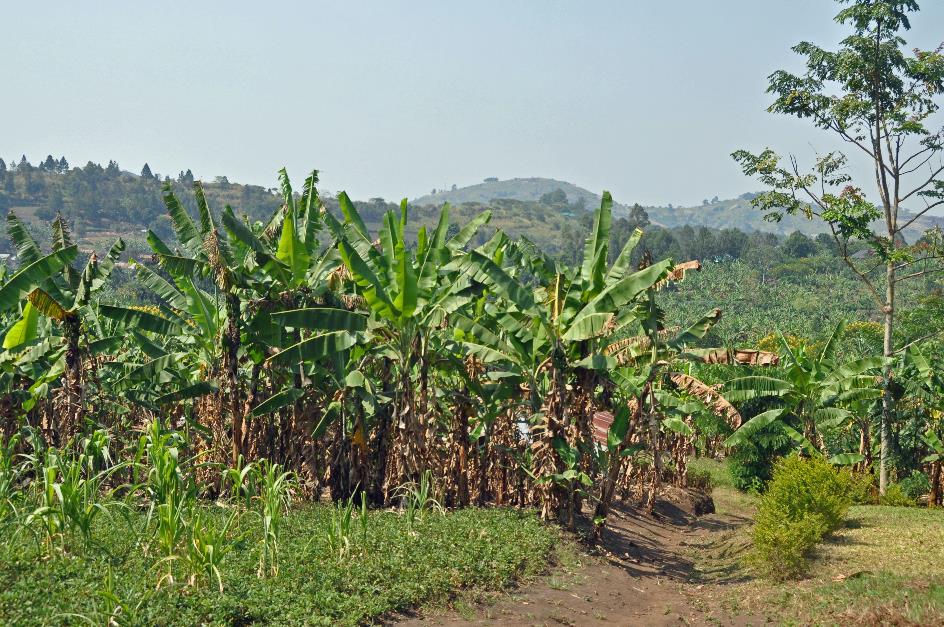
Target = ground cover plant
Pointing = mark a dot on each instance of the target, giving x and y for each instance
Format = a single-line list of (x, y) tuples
[(394, 569), (154, 553)]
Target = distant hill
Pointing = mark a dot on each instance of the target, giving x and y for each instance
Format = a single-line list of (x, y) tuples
[(739, 213), (529, 189), (102, 203), (717, 214)]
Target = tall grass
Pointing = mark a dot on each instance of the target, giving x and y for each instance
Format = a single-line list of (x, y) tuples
[(275, 493), (418, 498), (9, 477)]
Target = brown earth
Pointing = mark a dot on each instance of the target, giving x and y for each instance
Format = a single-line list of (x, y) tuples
[(645, 573)]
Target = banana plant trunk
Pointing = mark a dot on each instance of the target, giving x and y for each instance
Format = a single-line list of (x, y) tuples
[(547, 463), (865, 446), (608, 489), (74, 392), (935, 496), (231, 372), (408, 455), (654, 440)]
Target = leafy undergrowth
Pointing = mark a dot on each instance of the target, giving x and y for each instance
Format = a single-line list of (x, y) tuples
[(395, 569), (715, 470), (886, 566)]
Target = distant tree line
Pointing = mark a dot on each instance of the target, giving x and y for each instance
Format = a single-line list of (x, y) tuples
[(697, 242), (109, 198)]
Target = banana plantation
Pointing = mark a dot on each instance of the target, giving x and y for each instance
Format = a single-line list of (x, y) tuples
[(307, 359), (364, 362)]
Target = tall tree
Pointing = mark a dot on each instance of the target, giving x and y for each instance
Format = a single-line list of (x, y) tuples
[(63, 164), (146, 172), (638, 216), (880, 99)]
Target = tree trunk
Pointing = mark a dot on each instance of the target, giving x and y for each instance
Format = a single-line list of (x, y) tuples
[(887, 400), (934, 497), (608, 488)]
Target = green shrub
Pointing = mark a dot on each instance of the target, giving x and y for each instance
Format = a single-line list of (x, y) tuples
[(781, 546), (915, 485), (699, 479), (895, 496), (862, 489), (805, 500)]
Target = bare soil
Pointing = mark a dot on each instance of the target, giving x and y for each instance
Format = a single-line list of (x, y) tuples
[(645, 573)]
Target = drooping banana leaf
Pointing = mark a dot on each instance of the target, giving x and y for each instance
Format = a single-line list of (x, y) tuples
[(31, 276)]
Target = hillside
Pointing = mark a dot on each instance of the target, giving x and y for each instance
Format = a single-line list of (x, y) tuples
[(717, 214), (527, 189), (103, 203)]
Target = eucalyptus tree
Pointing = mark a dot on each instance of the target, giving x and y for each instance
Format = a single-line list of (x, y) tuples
[(883, 101)]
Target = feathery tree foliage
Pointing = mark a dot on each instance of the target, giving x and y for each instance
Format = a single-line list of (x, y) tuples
[(883, 101)]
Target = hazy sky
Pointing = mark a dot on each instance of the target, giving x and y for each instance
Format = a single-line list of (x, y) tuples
[(393, 98)]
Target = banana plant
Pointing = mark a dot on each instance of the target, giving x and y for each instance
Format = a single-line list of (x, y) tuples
[(64, 295), (936, 461), (564, 322), (813, 393), (410, 294)]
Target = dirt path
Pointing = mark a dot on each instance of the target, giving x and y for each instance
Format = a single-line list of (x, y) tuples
[(645, 576)]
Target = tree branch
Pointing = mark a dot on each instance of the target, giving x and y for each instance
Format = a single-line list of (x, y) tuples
[(844, 247), (918, 215), (930, 180)]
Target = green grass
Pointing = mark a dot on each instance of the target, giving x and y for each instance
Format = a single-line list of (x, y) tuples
[(886, 566), (716, 469), (473, 549)]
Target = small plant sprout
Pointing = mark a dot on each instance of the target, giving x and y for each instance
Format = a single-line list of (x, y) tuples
[(209, 544), (239, 481), (417, 499), (340, 528)]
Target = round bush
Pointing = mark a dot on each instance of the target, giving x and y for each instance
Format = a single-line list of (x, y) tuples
[(806, 499)]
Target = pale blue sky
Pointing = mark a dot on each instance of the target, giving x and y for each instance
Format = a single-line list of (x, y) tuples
[(646, 99)]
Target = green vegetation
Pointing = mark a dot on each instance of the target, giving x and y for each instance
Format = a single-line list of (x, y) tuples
[(391, 569), (805, 500), (853, 580), (171, 408), (895, 106)]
